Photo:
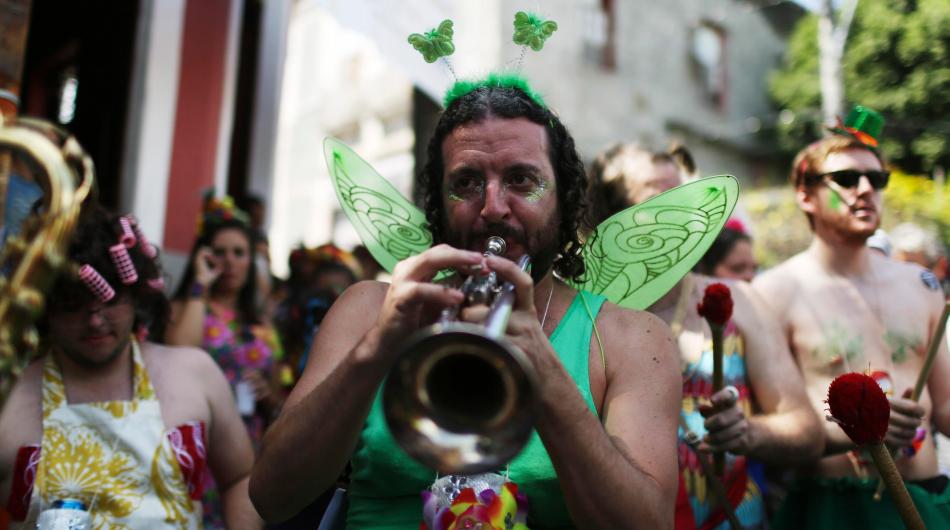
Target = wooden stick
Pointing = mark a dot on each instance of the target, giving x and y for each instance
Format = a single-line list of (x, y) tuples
[(895, 486), (924, 374), (931, 353), (719, 458), (715, 486)]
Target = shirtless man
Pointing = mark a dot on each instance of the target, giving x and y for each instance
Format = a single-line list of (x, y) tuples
[(769, 418), (142, 421), (604, 455), (847, 309)]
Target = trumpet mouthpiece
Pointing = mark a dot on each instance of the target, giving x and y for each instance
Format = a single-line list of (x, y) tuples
[(496, 246)]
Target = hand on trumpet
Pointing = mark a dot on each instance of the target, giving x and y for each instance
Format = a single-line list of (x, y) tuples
[(524, 325), (412, 300)]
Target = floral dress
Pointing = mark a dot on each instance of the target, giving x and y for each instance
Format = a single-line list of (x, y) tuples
[(237, 348)]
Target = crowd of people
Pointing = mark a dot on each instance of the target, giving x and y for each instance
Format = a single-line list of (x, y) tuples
[(241, 400)]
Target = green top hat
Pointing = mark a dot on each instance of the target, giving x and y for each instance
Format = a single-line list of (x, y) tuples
[(866, 120), (862, 124)]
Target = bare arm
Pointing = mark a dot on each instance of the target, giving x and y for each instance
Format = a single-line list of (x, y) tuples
[(788, 430), (230, 455), (776, 290), (335, 393), (308, 446), (630, 460), (186, 322), (939, 382)]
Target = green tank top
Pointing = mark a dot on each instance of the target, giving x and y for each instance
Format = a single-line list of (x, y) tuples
[(385, 483)]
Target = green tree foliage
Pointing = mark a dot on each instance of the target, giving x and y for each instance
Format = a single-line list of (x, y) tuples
[(896, 61)]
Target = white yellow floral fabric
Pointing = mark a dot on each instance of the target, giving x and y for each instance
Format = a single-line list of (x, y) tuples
[(114, 456)]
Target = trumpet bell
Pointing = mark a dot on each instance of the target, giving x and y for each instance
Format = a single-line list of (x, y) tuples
[(460, 401)]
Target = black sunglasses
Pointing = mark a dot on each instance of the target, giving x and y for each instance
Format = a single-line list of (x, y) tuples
[(849, 178)]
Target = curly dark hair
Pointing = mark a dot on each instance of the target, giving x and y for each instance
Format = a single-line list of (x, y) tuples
[(508, 102), (97, 230)]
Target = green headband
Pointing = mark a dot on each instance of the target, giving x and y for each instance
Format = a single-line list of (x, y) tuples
[(492, 80)]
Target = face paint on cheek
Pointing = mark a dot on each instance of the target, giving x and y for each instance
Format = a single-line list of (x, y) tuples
[(834, 201), (454, 197)]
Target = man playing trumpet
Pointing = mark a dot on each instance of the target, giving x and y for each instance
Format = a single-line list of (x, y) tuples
[(604, 452)]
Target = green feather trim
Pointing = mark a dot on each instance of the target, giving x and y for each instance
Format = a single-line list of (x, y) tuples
[(493, 80)]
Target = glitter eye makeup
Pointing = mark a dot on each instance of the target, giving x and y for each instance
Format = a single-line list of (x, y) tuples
[(538, 192), (466, 187), (471, 187)]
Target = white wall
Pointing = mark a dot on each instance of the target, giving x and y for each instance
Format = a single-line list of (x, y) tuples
[(153, 103)]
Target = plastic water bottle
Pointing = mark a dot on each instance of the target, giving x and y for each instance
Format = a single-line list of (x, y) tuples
[(244, 398), (65, 514)]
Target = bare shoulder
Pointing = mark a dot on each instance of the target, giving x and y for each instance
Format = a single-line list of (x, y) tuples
[(347, 322), (637, 340), (369, 292), (356, 309), (780, 283), (182, 361), (910, 278)]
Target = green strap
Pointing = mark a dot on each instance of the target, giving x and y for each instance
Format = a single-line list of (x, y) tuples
[(593, 324)]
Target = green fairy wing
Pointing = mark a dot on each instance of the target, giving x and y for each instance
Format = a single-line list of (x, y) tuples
[(634, 257), (391, 227), (637, 255)]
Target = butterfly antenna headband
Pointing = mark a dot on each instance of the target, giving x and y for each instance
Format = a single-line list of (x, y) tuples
[(530, 30), (436, 44)]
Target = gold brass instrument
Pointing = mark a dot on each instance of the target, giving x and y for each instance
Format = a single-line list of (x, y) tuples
[(462, 398), (36, 152)]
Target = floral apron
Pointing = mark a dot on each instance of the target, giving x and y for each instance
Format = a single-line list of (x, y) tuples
[(113, 456)]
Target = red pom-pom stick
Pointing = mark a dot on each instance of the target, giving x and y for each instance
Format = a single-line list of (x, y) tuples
[(716, 306), (128, 236), (147, 248), (123, 264), (860, 407), (96, 283), (156, 283)]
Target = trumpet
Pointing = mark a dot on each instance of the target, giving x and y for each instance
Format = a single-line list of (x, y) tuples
[(34, 154), (462, 399)]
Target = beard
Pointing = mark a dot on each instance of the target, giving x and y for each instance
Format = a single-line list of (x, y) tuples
[(542, 245), (92, 363), (850, 230)]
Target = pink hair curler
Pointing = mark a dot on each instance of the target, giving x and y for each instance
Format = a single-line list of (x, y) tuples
[(156, 283), (123, 264), (147, 248), (128, 236), (96, 283)]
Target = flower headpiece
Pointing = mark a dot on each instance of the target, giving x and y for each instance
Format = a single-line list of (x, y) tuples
[(215, 211), (862, 124), (326, 253), (736, 224), (530, 30)]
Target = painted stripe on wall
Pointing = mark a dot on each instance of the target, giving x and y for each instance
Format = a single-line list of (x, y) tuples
[(198, 116)]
